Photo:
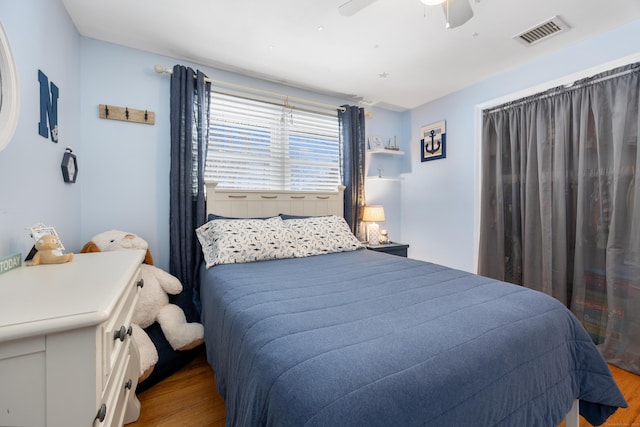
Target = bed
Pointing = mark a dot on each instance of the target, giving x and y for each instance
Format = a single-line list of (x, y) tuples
[(354, 337)]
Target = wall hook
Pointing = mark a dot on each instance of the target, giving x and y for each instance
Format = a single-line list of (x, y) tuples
[(126, 115)]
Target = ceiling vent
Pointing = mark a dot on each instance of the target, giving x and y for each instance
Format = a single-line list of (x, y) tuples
[(542, 31)]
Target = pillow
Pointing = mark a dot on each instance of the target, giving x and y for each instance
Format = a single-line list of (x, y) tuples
[(213, 217), (322, 235), (287, 216), (228, 241)]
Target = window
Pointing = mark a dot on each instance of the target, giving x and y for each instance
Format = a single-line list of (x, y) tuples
[(259, 145)]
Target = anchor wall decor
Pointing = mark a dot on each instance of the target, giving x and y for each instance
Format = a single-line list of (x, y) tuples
[(433, 141)]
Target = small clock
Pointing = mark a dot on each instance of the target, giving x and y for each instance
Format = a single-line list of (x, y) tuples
[(69, 166)]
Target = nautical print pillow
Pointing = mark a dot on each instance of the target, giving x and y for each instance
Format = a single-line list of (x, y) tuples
[(322, 235), (228, 241)]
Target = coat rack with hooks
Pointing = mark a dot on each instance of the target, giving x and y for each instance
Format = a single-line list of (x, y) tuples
[(126, 114)]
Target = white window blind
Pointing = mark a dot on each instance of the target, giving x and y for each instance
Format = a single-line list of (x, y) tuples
[(257, 145)]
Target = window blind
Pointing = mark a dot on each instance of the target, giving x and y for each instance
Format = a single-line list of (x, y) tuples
[(258, 145)]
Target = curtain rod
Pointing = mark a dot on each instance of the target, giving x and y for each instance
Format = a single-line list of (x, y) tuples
[(578, 84), (161, 70)]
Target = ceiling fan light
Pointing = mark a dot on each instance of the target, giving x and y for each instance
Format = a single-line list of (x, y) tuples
[(456, 12), (432, 2)]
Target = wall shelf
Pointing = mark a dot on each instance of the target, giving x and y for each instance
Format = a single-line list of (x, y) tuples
[(382, 152), (384, 178)]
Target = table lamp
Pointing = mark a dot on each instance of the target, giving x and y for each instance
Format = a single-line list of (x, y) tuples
[(372, 214)]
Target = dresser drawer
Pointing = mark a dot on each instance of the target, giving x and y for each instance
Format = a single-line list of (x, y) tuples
[(122, 381), (117, 330)]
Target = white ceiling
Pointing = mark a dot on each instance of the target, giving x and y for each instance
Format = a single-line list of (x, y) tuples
[(394, 53)]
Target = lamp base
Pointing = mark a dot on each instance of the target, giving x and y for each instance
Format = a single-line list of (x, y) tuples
[(374, 234)]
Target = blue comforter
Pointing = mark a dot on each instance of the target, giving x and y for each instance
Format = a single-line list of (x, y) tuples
[(368, 339)]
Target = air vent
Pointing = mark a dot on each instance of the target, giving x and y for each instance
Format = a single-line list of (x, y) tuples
[(542, 31)]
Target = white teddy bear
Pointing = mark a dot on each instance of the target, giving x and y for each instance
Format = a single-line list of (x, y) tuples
[(153, 302)]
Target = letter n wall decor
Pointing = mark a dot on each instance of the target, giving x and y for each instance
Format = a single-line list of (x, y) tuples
[(48, 108)]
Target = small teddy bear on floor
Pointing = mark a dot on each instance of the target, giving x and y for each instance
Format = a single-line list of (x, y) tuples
[(48, 251), (153, 303)]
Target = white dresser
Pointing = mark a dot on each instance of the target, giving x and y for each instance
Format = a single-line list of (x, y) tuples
[(66, 353)]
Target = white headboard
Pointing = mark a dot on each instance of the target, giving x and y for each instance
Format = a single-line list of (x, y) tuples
[(258, 203)]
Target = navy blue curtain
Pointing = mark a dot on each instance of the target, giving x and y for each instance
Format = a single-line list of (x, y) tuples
[(190, 98), (189, 126), (352, 132)]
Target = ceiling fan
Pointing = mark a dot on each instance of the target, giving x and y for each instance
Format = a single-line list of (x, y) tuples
[(456, 12)]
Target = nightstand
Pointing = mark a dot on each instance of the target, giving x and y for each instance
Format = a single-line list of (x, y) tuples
[(393, 248)]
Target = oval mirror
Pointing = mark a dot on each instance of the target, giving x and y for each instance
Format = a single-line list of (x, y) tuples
[(9, 95)]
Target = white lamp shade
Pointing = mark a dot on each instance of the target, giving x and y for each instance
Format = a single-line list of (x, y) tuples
[(373, 213)]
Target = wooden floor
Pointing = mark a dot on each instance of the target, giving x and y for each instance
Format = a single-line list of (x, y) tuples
[(189, 398)]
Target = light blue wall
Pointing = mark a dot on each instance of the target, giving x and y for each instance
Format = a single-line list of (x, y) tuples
[(43, 37), (126, 165), (388, 191), (438, 196)]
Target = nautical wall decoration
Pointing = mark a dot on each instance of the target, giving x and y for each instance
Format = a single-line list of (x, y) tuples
[(433, 141), (48, 108), (69, 166)]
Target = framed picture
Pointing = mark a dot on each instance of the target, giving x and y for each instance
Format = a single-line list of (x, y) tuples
[(40, 230), (433, 141), (375, 142)]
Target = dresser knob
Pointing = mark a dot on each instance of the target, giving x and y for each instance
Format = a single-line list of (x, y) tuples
[(102, 413), (120, 334), (130, 330), (140, 283), (129, 384)]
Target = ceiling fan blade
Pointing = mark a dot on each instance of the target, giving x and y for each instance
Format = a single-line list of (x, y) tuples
[(352, 7), (457, 12)]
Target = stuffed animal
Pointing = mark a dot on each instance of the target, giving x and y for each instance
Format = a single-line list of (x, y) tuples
[(153, 303), (48, 251)]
